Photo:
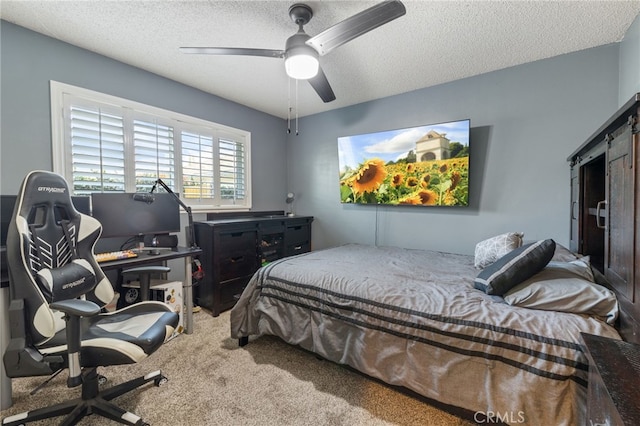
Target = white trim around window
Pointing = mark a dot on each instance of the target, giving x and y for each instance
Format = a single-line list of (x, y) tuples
[(103, 143)]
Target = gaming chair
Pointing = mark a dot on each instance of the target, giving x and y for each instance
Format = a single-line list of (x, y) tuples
[(57, 298)]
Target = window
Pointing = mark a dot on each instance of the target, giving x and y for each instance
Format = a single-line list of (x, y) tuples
[(103, 143)]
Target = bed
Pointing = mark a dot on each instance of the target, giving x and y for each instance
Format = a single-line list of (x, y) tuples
[(413, 318)]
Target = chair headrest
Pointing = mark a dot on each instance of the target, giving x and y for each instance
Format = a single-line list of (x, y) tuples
[(42, 187), (44, 201), (44, 206)]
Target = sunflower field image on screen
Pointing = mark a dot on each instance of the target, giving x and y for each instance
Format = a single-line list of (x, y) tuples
[(422, 166)]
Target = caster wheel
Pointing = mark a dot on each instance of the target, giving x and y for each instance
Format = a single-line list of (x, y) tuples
[(159, 381), (102, 379)]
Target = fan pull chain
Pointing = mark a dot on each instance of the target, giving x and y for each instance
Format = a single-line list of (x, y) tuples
[(297, 108), (289, 105)]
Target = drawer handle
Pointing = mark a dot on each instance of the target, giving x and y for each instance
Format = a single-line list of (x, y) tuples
[(236, 234), (236, 259), (297, 248)]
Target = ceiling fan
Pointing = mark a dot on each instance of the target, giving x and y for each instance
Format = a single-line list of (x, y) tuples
[(302, 51)]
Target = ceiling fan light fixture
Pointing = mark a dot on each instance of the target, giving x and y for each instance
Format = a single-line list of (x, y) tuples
[(300, 61), (302, 65)]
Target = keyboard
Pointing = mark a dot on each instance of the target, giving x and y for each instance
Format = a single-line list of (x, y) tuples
[(115, 255)]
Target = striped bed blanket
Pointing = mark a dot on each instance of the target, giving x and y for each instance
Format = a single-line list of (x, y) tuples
[(412, 318)]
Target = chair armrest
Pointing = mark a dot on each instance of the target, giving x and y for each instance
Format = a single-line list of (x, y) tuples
[(76, 307), (146, 269)]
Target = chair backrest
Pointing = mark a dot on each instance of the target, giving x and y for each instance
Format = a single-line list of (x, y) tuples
[(50, 254)]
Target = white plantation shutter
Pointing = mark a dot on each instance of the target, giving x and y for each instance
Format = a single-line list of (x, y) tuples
[(232, 170), (197, 166), (214, 167), (97, 150), (153, 152), (102, 143)]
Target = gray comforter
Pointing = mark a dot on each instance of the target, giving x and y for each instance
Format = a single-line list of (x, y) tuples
[(412, 318)]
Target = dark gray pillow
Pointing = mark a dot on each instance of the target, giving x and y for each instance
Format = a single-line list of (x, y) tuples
[(515, 267)]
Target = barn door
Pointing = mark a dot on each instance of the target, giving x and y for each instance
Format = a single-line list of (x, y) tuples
[(619, 226)]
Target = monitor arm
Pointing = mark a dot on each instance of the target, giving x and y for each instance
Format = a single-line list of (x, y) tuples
[(191, 241)]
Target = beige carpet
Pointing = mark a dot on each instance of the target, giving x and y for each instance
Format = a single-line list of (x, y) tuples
[(212, 381)]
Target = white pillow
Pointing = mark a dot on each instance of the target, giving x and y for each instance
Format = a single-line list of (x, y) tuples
[(492, 249), (565, 287)]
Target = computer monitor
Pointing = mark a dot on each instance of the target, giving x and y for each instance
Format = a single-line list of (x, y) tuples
[(127, 215), (82, 203), (8, 202)]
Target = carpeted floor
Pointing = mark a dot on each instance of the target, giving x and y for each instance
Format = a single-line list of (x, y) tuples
[(212, 381)]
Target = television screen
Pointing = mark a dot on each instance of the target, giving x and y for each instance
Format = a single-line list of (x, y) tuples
[(422, 166)]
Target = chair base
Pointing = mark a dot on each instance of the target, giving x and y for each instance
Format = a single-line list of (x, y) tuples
[(92, 402)]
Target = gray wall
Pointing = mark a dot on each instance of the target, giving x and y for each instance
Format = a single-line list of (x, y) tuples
[(525, 121), (630, 62), (30, 60)]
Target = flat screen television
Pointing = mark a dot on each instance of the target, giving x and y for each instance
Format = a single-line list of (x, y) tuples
[(420, 166), (123, 215)]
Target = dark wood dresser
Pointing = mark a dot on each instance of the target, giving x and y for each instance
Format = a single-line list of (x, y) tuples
[(614, 381), (235, 245)]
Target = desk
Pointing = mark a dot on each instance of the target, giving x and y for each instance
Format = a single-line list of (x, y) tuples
[(145, 258)]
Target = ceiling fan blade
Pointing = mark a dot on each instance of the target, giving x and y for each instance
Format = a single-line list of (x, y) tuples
[(356, 25), (322, 87), (269, 53)]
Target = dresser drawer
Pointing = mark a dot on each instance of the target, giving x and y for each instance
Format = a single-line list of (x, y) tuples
[(298, 234), (231, 289), (234, 265), (235, 242)]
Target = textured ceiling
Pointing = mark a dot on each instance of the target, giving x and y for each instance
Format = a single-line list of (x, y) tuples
[(434, 43)]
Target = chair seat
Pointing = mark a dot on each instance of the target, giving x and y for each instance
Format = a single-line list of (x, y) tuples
[(125, 336)]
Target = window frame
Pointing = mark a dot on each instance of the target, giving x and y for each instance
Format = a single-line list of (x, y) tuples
[(62, 93)]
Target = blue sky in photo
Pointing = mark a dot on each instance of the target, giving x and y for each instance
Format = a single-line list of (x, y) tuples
[(391, 145)]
